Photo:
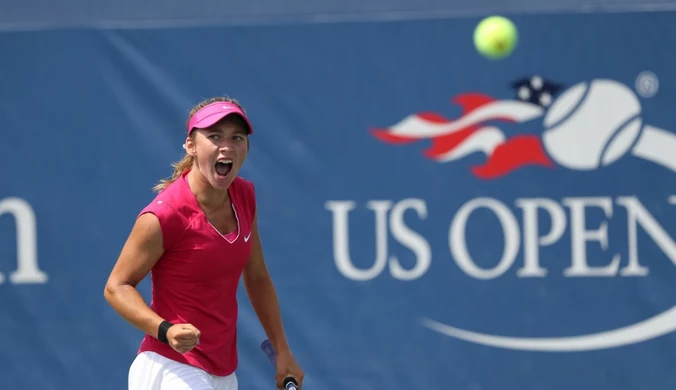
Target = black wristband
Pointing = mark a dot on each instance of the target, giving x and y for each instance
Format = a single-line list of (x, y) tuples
[(162, 331)]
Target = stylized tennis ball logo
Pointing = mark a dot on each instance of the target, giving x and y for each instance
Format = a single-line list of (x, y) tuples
[(592, 124)]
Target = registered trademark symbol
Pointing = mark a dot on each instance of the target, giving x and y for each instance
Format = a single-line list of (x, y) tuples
[(647, 84)]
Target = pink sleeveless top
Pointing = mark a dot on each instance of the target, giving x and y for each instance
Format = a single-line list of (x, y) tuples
[(196, 279)]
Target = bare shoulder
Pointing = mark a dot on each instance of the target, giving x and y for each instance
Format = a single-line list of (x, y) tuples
[(145, 242), (140, 252), (147, 228)]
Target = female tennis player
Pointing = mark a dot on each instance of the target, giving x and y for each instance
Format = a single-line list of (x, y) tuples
[(196, 238)]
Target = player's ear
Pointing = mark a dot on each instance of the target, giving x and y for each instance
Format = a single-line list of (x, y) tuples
[(189, 146)]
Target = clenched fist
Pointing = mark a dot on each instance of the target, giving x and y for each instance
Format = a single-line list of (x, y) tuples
[(183, 337)]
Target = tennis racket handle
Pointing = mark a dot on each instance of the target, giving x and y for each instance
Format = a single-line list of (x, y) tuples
[(290, 383)]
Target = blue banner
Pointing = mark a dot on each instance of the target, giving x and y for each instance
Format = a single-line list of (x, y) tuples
[(431, 218)]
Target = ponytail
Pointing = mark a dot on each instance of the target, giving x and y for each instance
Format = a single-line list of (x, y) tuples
[(179, 168)]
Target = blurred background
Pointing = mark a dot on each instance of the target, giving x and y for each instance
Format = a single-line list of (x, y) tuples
[(433, 218)]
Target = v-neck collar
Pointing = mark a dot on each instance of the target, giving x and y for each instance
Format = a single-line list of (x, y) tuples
[(190, 195)]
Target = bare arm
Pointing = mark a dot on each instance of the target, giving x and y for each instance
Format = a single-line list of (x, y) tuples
[(262, 294), (263, 298), (141, 251)]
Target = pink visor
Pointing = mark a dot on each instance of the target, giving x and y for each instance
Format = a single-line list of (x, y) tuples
[(214, 112)]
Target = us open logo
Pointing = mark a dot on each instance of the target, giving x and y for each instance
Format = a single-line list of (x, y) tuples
[(586, 127)]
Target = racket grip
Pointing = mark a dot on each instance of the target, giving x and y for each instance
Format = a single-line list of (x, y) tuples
[(290, 384)]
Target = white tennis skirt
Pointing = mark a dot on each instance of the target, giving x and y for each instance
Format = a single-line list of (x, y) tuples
[(151, 371)]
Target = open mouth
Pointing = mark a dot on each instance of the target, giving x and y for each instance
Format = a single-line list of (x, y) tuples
[(223, 167)]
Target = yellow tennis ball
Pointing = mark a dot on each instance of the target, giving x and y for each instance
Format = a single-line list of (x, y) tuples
[(495, 37)]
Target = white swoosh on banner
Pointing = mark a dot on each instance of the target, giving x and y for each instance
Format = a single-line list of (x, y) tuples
[(485, 140), (650, 328), (656, 145), (413, 126)]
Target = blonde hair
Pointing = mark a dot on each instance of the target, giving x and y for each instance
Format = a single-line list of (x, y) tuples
[(187, 161)]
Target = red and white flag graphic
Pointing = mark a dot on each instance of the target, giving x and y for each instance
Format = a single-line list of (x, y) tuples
[(455, 139)]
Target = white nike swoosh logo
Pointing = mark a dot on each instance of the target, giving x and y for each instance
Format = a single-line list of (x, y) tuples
[(246, 239), (650, 328)]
